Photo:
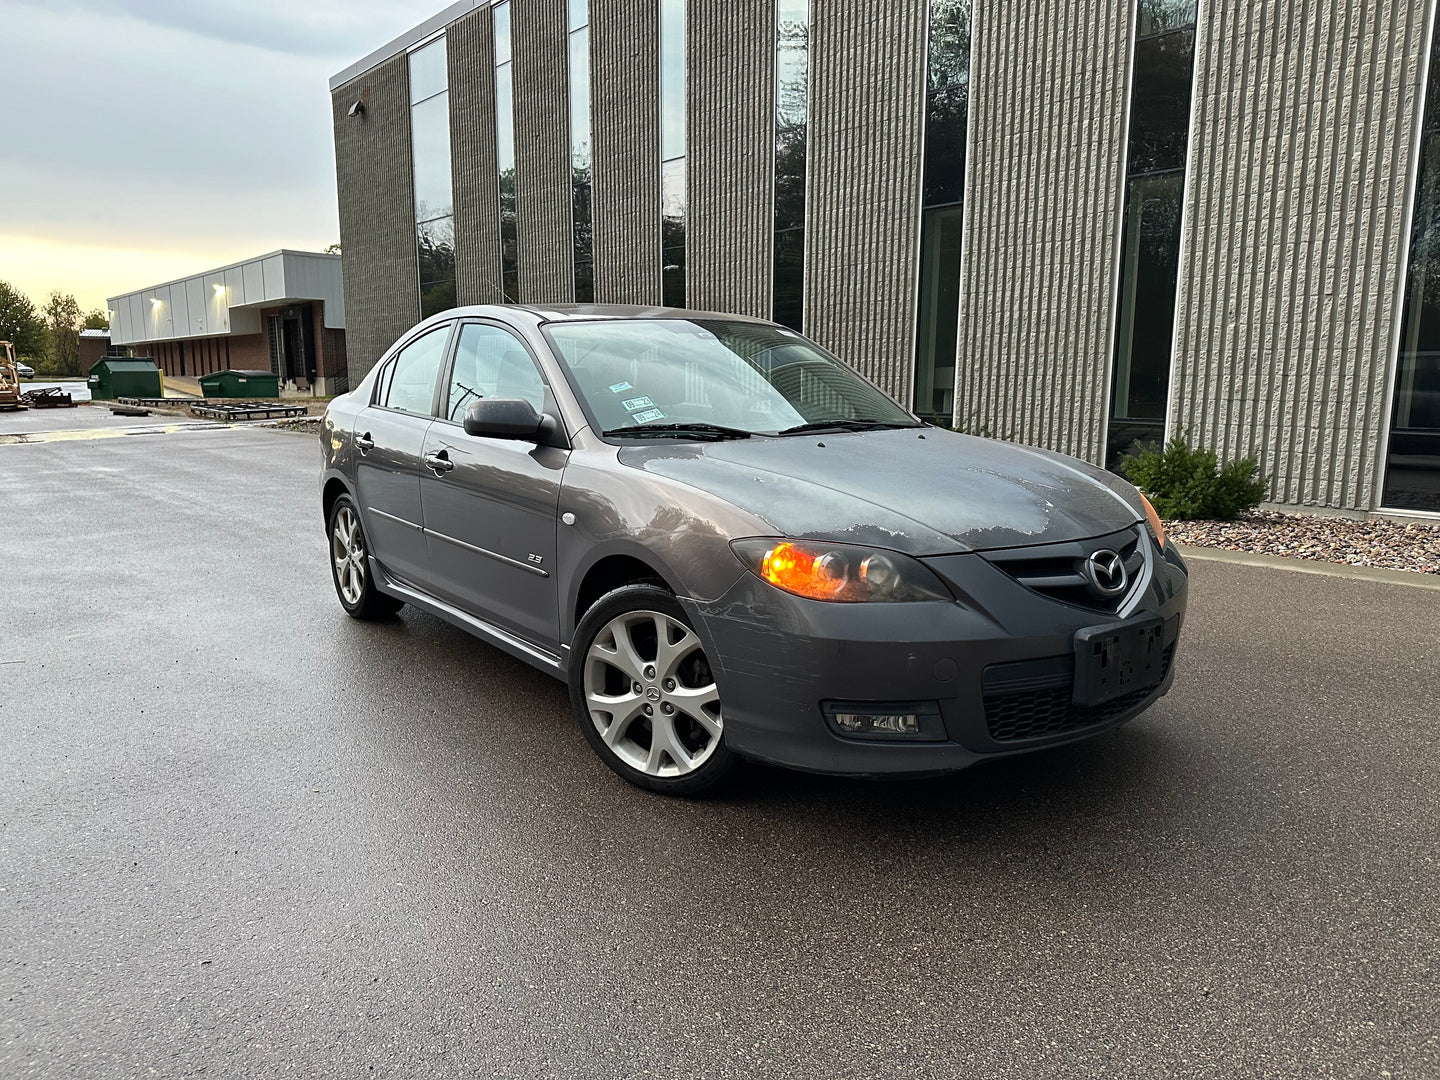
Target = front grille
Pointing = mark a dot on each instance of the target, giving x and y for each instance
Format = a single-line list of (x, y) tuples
[(1058, 570), (1045, 709)]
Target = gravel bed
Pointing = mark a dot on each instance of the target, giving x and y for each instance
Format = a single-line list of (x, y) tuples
[(307, 425), (1380, 542)]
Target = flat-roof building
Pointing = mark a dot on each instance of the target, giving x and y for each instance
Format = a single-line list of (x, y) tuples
[(283, 312), (1074, 224)]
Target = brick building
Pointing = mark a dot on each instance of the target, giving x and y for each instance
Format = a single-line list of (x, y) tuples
[(283, 312), (1077, 224)]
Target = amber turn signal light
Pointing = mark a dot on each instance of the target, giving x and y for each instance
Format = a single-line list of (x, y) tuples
[(1155, 524)]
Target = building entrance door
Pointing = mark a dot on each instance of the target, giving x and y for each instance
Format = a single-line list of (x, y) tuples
[(292, 347)]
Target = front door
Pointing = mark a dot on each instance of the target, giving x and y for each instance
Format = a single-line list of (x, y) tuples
[(389, 436), (490, 505)]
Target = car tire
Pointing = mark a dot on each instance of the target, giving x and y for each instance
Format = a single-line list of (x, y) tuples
[(350, 565), (634, 651)]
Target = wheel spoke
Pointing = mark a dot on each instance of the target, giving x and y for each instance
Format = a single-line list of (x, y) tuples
[(622, 709), (664, 742), (352, 536), (623, 656), (668, 655)]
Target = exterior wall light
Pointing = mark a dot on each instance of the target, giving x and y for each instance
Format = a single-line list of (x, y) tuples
[(358, 109)]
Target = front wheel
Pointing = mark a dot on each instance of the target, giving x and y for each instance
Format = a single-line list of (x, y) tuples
[(645, 696), (350, 566)]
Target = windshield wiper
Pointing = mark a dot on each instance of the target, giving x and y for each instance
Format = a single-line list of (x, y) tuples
[(699, 430), (844, 425)]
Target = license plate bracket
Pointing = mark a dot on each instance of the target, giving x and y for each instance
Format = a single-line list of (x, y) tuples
[(1118, 659)]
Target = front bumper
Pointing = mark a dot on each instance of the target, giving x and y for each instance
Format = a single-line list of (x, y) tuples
[(999, 663)]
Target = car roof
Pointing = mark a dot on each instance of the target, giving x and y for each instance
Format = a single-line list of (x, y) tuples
[(546, 313)]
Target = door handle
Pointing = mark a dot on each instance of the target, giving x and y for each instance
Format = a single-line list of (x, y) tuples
[(364, 442), (439, 461)]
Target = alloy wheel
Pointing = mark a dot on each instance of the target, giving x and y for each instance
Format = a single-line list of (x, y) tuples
[(651, 694), (347, 552)]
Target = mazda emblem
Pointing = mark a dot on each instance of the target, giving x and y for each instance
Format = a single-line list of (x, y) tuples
[(1106, 571)]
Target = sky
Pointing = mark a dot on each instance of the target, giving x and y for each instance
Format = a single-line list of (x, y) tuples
[(146, 141)]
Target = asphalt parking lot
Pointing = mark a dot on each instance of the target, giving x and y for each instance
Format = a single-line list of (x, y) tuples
[(244, 835)]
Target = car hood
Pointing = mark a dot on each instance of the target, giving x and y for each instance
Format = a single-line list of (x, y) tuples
[(921, 491)]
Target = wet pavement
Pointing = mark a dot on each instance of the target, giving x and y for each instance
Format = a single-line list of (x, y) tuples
[(244, 835)]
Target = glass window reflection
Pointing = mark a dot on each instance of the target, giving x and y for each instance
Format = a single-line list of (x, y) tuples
[(672, 232), (792, 111), (580, 156), (1162, 16), (1412, 466), (430, 152), (502, 33), (1150, 239), (947, 106), (427, 71), (672, 79)]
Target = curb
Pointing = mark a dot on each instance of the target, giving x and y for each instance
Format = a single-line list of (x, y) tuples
[(1378, 574)]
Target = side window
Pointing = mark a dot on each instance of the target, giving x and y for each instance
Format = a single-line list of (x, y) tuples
[(490, 362), (411, 383)]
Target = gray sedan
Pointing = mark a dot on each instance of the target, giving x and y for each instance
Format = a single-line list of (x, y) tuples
[(733, 546)]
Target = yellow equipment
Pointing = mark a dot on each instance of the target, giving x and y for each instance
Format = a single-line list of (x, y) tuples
[(9, 379)]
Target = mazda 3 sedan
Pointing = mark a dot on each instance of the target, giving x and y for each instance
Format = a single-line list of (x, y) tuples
[(733, 546)]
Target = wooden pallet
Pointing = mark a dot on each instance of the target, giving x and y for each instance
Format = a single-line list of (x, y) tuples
[(254, 410)]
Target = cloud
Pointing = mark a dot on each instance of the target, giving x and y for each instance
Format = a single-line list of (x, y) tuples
[(320, 28)]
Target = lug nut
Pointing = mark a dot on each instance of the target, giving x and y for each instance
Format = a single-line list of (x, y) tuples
[(649, 711), (638, 688), (649, 671), (669, 684), (667, 708)]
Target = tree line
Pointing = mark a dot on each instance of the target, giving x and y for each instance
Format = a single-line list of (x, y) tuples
[(47, 338)]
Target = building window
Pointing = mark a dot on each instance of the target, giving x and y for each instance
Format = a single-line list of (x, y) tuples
[(672, 152), (579, 29), (792, 111), (430, 159), (1412, 467), (505, 153), (1150, 238), (947, 106)]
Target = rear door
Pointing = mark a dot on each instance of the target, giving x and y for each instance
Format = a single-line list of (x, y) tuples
[(490, 504), (389, 438)]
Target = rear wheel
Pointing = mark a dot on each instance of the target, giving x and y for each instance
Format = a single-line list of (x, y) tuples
[(645, 695), (350, 566)]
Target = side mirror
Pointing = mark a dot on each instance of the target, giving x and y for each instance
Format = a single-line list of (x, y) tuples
[(506, 418)]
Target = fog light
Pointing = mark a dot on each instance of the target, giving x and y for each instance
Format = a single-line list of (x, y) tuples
[(893, 723), (910, 721)]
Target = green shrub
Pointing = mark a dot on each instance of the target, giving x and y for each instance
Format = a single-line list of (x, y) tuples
[(1190, 484)]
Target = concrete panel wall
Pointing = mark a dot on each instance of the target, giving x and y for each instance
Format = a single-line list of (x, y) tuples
[(377, 212), (543, 205), (625, 135), (1042, 202), (470, 48), (730, 157), (866, 134), (1301, 145)]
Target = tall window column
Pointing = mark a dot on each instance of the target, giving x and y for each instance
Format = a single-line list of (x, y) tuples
[(579, 48), (947, 107), (1150, 245), (792, 113), (1412, 466), (430, 158), (505, 152), (672, 152)]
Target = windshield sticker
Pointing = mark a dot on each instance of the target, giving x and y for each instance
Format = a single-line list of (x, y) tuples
[(620, 387), (646, 417), (634, 403)]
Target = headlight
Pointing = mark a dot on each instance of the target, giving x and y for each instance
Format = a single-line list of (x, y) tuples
[(843, 573), (1153, 518)]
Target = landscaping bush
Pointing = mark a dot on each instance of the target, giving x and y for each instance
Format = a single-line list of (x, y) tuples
[(1190, 485)]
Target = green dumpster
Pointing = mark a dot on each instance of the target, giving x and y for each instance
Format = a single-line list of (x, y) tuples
[(118, 376), (240, 384)]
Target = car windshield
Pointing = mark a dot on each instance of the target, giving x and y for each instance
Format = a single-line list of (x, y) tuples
[(714, 378)]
